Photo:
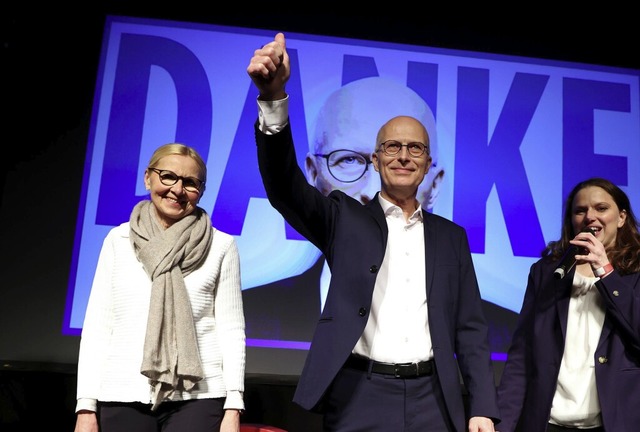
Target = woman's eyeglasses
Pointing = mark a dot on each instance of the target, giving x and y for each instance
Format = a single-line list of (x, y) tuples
[(169, 178)]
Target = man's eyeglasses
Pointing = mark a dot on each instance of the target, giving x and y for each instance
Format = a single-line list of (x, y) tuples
[(345, 165), (392, 148), (169, 178)]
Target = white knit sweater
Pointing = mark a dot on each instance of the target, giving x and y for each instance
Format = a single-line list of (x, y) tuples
[(116, 318)]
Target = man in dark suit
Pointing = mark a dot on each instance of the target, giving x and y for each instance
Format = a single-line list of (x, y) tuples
[(345, 130), (403, 317)]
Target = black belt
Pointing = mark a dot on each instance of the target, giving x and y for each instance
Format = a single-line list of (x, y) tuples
[(398, 370)]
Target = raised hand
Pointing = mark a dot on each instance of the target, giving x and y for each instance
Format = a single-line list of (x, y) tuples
[(269, 69)]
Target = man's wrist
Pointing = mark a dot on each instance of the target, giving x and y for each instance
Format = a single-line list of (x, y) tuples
[(270, 97)]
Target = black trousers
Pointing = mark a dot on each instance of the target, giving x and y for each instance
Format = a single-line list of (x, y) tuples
[(370, 402), (199, 415)]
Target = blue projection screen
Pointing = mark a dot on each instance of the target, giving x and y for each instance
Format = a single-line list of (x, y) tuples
[(514, 134)]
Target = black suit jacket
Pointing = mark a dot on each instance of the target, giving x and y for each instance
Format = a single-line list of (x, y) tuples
[(529, 380)]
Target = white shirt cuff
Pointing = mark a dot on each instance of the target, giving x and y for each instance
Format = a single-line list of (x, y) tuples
[(273, 116), (234, 400), (87, 404)]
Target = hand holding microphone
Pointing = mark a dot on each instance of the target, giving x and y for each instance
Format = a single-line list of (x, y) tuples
[(569, 259)]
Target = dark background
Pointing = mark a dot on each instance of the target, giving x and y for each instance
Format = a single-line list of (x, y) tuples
[(48, 65)]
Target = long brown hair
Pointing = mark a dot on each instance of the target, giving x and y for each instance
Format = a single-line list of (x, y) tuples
[(625, 253)]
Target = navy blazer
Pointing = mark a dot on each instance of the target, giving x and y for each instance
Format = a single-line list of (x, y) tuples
[(529, 378), (353, 237)]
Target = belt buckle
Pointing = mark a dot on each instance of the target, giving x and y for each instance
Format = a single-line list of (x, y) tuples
[(401, 366)]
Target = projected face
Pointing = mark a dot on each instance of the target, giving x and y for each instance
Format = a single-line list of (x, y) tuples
[(349, 120), (341, 163), (172, 186)]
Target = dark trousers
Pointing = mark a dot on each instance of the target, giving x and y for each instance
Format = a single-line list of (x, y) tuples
[(370, 402), (200, 415)]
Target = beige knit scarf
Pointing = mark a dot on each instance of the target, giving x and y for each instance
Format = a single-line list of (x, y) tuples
[(171, 358)]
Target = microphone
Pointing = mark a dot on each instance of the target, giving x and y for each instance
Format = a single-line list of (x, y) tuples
[(569, 259)]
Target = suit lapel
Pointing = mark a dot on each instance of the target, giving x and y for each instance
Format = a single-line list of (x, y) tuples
[(429, 250), (562, 292), (378, 215)]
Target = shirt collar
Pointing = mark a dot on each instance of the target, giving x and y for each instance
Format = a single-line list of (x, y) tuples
[(388, 208)]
